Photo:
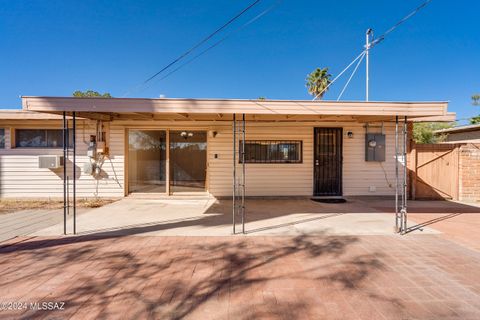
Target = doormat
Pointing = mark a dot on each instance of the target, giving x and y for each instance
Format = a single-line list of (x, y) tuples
[(329, 200)]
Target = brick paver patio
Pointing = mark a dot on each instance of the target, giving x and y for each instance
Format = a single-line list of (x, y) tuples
[(301, 277)]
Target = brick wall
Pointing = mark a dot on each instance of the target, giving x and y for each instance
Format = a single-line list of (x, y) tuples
[(469, 173)]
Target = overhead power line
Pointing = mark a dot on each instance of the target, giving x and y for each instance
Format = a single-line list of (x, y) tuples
[(223, 39), (374, 42), (396, 25), (183, 55)]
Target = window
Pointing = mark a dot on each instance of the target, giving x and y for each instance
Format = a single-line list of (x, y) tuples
[(2, 138), (268, 151), (39, 138)]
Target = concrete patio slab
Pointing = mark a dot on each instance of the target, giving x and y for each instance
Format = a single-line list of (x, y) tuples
[(25, 222), (210, 217)]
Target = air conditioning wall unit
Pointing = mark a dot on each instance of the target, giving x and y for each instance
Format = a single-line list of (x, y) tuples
[(50, 162)]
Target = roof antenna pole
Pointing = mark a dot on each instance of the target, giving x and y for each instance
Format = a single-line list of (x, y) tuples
[(368, 35)]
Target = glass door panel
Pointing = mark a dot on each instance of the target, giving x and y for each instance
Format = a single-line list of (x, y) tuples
[(147, 161), (188, 160)]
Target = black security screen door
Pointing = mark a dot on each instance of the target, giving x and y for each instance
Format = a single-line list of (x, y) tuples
[(328, 162)]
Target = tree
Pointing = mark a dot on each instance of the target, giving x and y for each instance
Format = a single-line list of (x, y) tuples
[(423, 132), (475, 120), (476, 99), (91, 94), (318, 82), (475, 102)]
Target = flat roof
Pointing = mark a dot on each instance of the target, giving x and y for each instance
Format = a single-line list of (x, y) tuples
[(471, 127), (19, 114), (123, 108)]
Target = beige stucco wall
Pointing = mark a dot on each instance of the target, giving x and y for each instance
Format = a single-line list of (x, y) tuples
[(20, 176)]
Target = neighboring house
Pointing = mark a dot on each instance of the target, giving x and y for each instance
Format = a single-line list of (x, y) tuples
[(186, 146), (461, 134)]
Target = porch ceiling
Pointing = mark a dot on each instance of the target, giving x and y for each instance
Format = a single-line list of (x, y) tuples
[(223, 110)]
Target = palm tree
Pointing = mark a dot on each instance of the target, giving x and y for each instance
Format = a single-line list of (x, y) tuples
[(318, 81)]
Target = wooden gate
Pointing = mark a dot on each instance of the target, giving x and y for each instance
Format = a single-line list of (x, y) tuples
[(434, 171)]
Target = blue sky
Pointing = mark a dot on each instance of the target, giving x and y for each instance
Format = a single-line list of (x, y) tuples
[(56, 47)]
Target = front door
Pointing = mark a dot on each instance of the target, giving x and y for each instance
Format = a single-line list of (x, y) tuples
[(327, 162)]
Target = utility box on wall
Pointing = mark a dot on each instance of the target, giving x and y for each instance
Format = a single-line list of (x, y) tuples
[(375, 147)]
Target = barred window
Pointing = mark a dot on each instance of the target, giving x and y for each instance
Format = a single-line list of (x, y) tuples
[(272, 151), (39, 138)]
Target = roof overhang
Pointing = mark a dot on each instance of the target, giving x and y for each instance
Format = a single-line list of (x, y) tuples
[(467, 128), (449, 117), (223, 109), (19, 114)]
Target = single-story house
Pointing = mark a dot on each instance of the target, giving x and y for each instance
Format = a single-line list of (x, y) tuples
[(461, 134), (127, 146)]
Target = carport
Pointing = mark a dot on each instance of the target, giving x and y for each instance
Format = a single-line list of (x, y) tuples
[(237, 114)]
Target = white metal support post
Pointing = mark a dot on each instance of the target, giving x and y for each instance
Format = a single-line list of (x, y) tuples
[(243, 171), (234, 185), (74, 168), (401, 183), (397, 214), (238, 196), (404, 186), (65, 186)]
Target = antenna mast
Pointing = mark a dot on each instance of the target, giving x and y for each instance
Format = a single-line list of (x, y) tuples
[(368, 36)]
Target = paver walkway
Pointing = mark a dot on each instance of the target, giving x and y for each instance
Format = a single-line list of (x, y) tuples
[(301, 277), (306, 261), (461, 226)]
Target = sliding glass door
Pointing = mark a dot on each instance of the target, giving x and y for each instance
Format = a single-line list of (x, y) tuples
[(147, 161), (149, 152), (188, 160)]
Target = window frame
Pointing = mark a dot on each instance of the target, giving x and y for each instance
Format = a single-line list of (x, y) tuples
[(3, 140), (15, 142), (267, 159)]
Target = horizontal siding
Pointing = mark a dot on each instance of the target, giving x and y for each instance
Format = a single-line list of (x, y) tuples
[(297, 179), (358, 174), (20, 176), (294, 179)]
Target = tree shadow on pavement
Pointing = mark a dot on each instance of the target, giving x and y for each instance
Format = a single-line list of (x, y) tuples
[(192, 277)]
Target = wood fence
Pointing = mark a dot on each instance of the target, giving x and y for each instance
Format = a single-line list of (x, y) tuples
[(434, 171)]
